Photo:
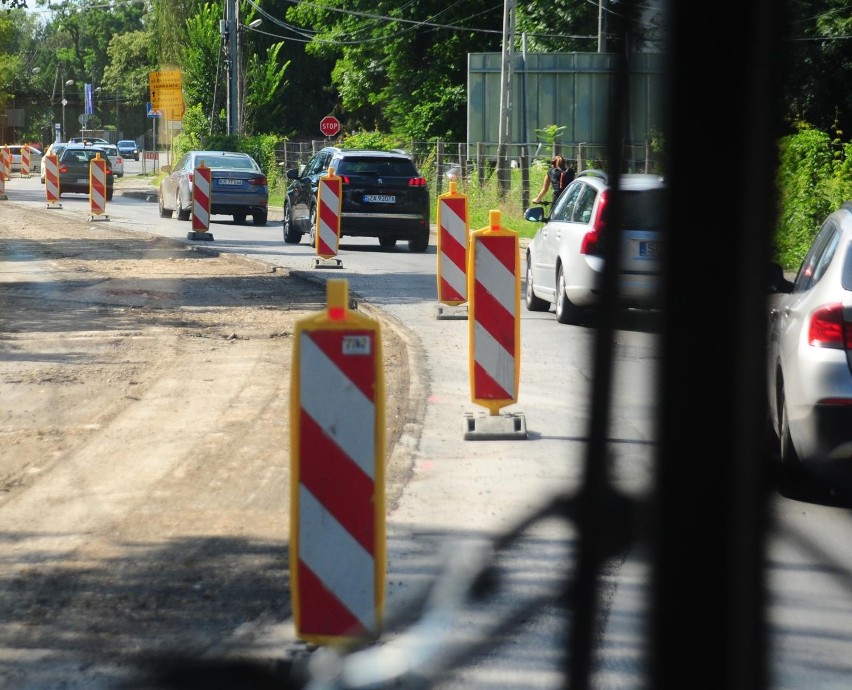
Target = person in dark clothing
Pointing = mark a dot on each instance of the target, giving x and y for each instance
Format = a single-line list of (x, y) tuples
[(557, 178)]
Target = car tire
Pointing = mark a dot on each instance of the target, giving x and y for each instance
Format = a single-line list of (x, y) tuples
[(259, 218), (240, 218), (164, 212), (566, 311), (182, 214), (312, 233), (420, 243), (291, 235), (533, 302), (387, 242)]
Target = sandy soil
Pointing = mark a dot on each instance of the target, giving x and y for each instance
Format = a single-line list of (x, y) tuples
[(144, 471)]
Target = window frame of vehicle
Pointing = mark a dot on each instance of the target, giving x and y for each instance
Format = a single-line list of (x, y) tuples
[(818, 257)]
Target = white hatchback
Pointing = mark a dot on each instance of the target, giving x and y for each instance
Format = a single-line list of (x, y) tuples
[(565, 258), (115, 159)]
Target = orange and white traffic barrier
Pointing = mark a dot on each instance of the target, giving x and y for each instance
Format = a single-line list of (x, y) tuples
[(494, 296), (327, 231), (337, 446), (453, 240), (97, 188), (25, 160), (201, 185), (3, 196), (51, 180), (6, 162)]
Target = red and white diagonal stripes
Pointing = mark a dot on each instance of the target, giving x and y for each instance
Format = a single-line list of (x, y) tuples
[(452, 254), (493, 325), (97, 185), (201, 198), (51, 178), (336, 491), (328, 216)]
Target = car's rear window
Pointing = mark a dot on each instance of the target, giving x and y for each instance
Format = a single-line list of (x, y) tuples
[(226, 162), (390, 167), (643, 210)]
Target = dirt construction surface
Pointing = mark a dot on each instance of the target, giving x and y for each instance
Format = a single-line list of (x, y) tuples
[(144, 472)]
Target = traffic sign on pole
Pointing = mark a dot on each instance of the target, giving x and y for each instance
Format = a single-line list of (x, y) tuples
[(330, 126), (337, 500)]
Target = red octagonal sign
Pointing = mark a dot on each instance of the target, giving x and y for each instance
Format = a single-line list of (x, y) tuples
[(330, 126)]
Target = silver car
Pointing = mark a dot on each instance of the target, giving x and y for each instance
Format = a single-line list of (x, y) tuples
[(810, 360), (115, 158), (565, 258), (238, 186)]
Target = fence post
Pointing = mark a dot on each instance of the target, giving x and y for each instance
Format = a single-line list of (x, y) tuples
[(480, 168), (439, 166)]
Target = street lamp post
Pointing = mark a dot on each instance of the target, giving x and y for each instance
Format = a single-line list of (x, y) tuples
[(70, 82)]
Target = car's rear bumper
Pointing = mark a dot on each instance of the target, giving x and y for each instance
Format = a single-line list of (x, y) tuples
[(398, 225), (823, 434)]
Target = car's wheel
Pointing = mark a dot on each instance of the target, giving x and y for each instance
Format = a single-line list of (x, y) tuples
[(259, 218), (164, 212), (387, 242), (240, 218), (566, 311), (291, 235), (420, 243), (182, 214), (533, 302), (312, 234)]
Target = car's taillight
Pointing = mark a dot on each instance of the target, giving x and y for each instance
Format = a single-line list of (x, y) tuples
[(258, 181), (417, 182), (190, 176), (63, 168), (118, 160), (826, 328), (345, 179), (589, 245)]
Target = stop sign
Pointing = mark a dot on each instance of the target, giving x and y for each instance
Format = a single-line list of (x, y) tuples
[(330, 125)]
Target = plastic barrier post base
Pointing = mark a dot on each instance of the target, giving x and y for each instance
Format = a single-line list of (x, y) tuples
[(333, 262), (98, 216), (500, 427), (205, 236), (446, 312)]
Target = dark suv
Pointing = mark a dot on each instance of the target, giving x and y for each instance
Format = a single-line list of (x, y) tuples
[(384, 196)]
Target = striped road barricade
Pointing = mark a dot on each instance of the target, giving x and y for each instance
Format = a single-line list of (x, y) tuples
[(26, 158), (453, 239), (327, 230), (51, 180), (337, 498), (6, 163), (494, 331), (98, 188), (201, 185)]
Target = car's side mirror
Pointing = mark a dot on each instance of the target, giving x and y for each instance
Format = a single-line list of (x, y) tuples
[(777, 281), (293, 174), (534, 214)]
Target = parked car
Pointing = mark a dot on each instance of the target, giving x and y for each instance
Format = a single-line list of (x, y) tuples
[(565, 258), (74, 166), (809, 375), (35, 158), (384, 196), (238, 186), (56, 148), (114, 158), (128, 148)]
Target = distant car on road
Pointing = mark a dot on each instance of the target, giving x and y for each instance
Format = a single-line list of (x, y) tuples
[(56, 148), (88, 141), (114, 158), (74, 168), (35, 158), (809, 374), (128, 148), (238, 186), (565, 258), (384, 196)]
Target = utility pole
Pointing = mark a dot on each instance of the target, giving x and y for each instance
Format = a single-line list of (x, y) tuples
[(232, 28), (504, 135)]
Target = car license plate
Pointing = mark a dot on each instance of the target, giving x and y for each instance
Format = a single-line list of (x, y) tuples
[(84, 180), (379, 199), (229, 182), (650, 250)]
